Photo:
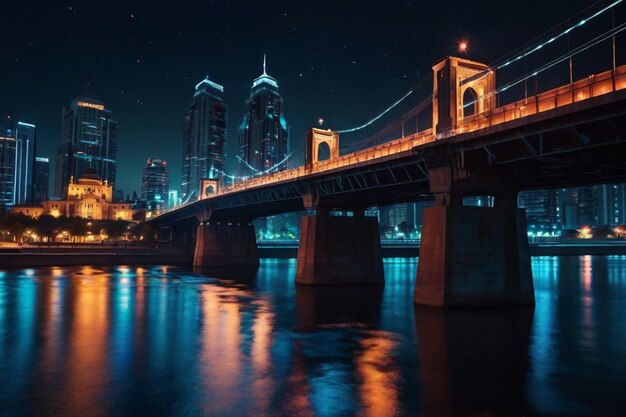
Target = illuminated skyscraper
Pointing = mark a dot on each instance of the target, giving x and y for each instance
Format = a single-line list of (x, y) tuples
[(41, 179), (204, 139), (89, 140), (24, 163), (7, 162), (542, 209), (155, 183), (17, 159), (264, 133)]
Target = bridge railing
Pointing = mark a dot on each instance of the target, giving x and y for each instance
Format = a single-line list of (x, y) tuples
[(378, 151), (266, 179), (592, 86), (353, 158)]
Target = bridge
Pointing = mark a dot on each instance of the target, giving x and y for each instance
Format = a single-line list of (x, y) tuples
[(569, 136)]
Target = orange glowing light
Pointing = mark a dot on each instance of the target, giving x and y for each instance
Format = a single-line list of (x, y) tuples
[(585, 232), (463, 46), (90, 105)]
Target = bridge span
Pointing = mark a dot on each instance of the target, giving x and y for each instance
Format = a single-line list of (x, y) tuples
[(569, 136)]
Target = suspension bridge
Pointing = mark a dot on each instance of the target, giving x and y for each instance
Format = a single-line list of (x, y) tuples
[(572, 135)]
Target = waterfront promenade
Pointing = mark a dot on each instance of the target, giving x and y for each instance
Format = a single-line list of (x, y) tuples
[(14, 256), (17, 256)]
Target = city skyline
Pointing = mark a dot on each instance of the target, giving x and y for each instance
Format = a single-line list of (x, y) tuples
[(343, 72)]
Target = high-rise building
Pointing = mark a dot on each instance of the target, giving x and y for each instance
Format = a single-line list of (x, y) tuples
[(155, 183), (542, 208), (24, 163), (41, 179), (7, 162), (204, 139), (578, 207), (89, 141), (264, 133), (17, 159), (611, 202)]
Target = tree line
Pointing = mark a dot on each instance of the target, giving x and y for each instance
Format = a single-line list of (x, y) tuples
[(18, 227)]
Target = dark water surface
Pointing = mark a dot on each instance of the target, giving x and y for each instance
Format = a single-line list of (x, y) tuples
[(163, 341)]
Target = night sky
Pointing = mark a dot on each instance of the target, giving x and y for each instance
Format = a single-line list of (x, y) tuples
[(343, 60)]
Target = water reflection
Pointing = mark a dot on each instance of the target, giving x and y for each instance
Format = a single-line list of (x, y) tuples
[(163, 341), (578, 349), (346, 306), (473, 362)]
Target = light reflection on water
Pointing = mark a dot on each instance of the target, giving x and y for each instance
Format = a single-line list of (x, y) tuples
[(165, 341)]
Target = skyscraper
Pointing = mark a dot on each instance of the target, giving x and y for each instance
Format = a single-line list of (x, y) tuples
[(41, 179), (17, 159), (542, 208), (204, 139), (89, 140), (24, 163), (7, 162), (264, 133), (155, 183), (611, 202), (578, 207)]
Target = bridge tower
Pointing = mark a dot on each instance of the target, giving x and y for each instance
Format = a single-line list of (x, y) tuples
[(461, 88), (314, 139)]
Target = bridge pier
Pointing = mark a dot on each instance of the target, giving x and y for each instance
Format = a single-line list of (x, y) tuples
[(474, 256), (222, 244), (339, 250)]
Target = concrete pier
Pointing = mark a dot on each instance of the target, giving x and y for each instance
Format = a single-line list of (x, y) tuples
[(339, 250), (222, 244), (474, 256)]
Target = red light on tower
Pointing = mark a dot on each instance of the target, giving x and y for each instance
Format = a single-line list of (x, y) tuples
[(463, 46)]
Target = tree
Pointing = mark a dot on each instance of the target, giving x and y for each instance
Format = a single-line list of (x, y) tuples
[(16, 224), (405, 227), (143, 231), (47, 226), (115, 229), (77, 226)]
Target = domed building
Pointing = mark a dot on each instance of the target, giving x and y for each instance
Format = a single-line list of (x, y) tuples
[(90, 197)]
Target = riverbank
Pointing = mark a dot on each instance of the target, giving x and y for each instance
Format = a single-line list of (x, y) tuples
[(89, 255), (20, 257)]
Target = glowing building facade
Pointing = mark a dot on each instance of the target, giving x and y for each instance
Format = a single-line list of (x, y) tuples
[(90, 197), (204, 139), (89, 141), (264, 132), (41, 179), (17, 159), (24, 163), (155, 183), (7, 162)]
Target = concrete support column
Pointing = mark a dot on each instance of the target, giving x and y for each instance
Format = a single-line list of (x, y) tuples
[(339, 250), (474, 256), (220, 244)]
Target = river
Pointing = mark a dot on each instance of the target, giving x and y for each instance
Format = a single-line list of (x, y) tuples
[(168, 341)]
